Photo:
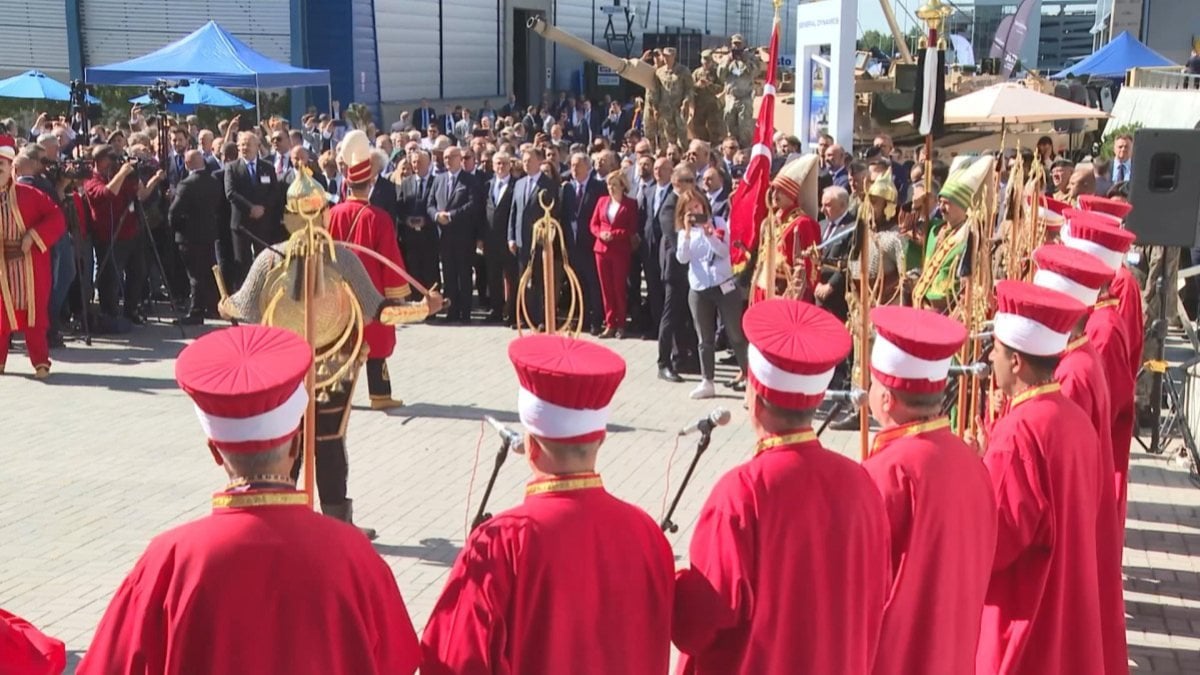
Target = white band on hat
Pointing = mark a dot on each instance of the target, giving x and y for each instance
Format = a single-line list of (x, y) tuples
[(1058, 282), (274, 423), (891, 360), (548, 420), (774, 377), (1106, 255), (1026, 335), (1050, 216)]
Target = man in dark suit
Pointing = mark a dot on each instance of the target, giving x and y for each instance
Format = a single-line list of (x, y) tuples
[(654, 197), (418, 234), (225, 257), (531, 191), (830, 293), (501, 263), (193, 219), (253, 192), (383, 192), (580, 193), (423, 116), (452, 208), (446, 122), (280, 157), (674, 338)]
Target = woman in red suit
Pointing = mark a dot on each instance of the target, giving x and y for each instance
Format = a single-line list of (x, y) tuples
[(614, 225)]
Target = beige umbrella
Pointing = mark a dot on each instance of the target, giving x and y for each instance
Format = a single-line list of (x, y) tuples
[(1011, 103)]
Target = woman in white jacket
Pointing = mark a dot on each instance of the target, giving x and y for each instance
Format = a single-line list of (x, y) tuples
[(702, 245)]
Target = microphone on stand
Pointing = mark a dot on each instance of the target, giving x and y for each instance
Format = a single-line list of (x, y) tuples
[(514, 440), (717, 418), (977, 369), (855, 397)]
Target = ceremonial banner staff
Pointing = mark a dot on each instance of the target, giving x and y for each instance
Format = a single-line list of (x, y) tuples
[(929, 109)]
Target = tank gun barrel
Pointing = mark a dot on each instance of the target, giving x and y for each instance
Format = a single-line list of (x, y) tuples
[(635, 70)]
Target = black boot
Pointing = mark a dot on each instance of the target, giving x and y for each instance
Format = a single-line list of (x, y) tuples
[(345, 513)]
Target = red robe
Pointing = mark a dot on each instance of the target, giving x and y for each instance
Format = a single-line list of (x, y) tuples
[(789, 567), (367, 225), (1042, 613), (1106, 332), (25, 282), (800, 234), (1081, 376), (573, 580), (1125, 289), (257, 588), (943, 532), (25, 650)]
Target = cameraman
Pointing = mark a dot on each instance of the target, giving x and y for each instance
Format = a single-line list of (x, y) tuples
[(120, 253)]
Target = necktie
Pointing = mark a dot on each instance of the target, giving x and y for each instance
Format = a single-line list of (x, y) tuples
[(279, 165), (1121, 172), (250, 168), (578, 195)]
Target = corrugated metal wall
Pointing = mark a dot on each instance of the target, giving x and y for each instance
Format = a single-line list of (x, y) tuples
[(409, 61), (33, 34), (470, 37), (117, 31)]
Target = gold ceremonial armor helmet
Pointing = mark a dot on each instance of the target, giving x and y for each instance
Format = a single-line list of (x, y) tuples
[(338, 316)]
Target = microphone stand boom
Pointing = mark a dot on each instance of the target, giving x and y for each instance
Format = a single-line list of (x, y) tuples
[(482, 516), (667, 524)]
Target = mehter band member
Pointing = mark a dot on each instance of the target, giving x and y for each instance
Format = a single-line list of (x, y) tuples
[(938, 499), (263, 584), (790, 557), (573, 580), (1042, 612)]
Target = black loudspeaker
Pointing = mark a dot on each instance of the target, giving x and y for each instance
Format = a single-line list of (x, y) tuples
[(1165, 187)]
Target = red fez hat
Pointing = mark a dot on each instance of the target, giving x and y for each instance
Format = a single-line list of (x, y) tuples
[(913, 348), (1071, 271), (247, 383), (794, 347), (566, 386), (25, 650), (8, 147), (1095, 233), (1034, 320), (1099, 204), (1050, 211)]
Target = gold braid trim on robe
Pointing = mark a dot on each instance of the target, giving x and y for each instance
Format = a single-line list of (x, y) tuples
[(14, 212)]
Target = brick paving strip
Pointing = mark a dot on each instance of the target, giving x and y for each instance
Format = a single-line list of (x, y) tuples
[(108, 453)]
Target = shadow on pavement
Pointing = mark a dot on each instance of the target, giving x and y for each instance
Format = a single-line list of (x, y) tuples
[(438, 551)]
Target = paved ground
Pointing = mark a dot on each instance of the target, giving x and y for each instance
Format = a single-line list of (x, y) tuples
[(108, 453)]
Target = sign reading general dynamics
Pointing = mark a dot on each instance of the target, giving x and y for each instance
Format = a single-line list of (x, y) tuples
[(819, 23)]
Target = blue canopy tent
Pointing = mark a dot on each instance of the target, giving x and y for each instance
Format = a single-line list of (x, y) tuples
[(211, 54), (198, 92), (38, 85), (1116, 57)]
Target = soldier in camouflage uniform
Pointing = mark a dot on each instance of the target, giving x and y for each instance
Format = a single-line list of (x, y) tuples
[(737, 71), (650, 126), (707, 120), (675, 90)]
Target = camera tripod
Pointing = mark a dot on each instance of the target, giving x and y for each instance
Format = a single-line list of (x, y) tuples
[(1171, 419)]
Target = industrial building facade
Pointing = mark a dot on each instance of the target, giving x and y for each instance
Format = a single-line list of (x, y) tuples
[(393, 52)]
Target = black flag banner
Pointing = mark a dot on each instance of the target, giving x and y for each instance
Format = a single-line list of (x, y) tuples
[(929, 102)]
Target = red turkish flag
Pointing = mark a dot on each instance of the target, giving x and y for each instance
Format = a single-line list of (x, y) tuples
[(748, 206)]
